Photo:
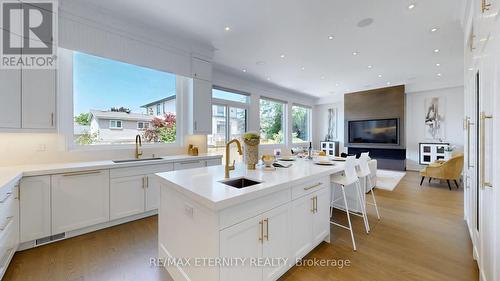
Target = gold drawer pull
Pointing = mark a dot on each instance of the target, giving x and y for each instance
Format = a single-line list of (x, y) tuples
[(7, 195), (7, 222), (267, 229), (312, 186), (261, 237), (482, 129), (81, 173)]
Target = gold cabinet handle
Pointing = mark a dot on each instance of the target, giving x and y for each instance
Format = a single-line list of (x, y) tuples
[(312, 203), (312, 186), (315, 204), (81, 173), (261, 237), (485, 6), (467, 126), (482, 129), (266, 236)]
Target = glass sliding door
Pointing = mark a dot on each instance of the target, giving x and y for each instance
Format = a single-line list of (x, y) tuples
[(227, 123)]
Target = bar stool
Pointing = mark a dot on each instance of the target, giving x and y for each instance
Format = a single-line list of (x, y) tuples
[(348, 179), (364, 172)]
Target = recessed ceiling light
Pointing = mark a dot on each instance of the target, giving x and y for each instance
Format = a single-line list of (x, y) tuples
[(438, 64), (337, 84), (282, 56), (370, 67), (365, 22), (471, 69), (227, 28), (439, 74), (436, 51), (302, 68), (268, 78), (322, 77), (355, 53), (388, 83), (380, 76), (330, 37), (434, 29), (244, 70), (411, 6)]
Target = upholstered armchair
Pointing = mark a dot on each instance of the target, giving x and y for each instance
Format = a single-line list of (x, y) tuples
[(445, 170)]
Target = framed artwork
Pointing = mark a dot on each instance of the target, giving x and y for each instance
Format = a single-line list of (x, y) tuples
[(434, 118), (332, 124)]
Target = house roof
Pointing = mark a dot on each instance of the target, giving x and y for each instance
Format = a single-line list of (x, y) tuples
[(172, 97), (112, 115)]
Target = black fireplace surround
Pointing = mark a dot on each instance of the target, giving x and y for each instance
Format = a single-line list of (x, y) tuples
[(387, 158)]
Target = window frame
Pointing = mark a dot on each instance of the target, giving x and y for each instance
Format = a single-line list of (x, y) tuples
[(116, 127), (309, 125), (66, 115), (284, 123), (143, 123)]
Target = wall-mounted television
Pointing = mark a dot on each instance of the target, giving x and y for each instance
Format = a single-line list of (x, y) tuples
[(377, 131)]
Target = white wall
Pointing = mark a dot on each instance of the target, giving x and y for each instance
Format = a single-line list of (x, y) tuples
[(321, 120), (415, 121)]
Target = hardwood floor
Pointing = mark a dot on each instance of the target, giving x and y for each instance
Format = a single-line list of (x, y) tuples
[(422, 236)]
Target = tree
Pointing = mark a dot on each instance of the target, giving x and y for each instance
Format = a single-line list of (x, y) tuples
[(87, 138), (271, 115), (299, 123), (83, 119), (163, 129)]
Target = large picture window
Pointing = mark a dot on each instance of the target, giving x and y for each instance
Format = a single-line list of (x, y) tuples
[(272, 121), (115, 101), (229, 120), (301, 124)]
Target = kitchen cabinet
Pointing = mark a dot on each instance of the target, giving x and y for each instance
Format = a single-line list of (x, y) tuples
[(34, 209), (79, 199), (152, 193), (127, 196), (200, 107), (38, 98), (310, 223), (264, 236), (9, 225), (10, 100), (201, 69), (189, 164)]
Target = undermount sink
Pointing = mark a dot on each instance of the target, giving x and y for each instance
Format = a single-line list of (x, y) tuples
[(240, 182), (137, 160)]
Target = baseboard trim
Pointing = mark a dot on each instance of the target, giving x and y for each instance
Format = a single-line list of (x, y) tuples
[(69, 234)]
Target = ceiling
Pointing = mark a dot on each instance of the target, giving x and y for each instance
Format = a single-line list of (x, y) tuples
[(286, 42)]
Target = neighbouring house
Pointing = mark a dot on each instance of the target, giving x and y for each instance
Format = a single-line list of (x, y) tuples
[(118, 127), (160, 107), (79, 130)]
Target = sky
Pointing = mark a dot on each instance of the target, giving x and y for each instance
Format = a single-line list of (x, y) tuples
[(100, 83)]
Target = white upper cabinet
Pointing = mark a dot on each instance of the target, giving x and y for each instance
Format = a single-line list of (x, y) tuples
[(10, 98), (201, 107), (201, 69), (38, 99)]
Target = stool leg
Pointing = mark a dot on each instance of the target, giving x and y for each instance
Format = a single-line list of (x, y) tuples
[(372, 191), (362, 205), (348, 219)]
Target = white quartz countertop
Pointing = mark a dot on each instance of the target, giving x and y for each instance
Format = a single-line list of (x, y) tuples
[(14, 173), (203, 184)]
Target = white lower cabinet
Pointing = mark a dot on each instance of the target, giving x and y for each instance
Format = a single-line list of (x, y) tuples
[(262, 237), (126, 196), (34, 210), (79, 200), (152, 194), (9, 225), (310, 224)]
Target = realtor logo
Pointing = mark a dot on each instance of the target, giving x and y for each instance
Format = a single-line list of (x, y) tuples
[(29, 34)]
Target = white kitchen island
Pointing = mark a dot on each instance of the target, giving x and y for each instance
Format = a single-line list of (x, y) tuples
[(211, 231)]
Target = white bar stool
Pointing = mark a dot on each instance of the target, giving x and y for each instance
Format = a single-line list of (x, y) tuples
[(364, 172), (349, 178)]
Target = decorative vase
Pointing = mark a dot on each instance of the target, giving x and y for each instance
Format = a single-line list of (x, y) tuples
[(251, 153)]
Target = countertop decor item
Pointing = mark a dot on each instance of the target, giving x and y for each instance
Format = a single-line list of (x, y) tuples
[(252, 141)]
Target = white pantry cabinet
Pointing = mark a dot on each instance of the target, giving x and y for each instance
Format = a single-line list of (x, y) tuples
[(35, 215), (10, 98), (264, 236), (38, 99), (79, 199)]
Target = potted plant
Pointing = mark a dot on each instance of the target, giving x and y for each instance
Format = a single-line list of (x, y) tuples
[(251, 143), (448, 152)]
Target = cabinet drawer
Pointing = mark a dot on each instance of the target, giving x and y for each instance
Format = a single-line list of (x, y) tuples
[(8, 241), (310, 186), (213, 162), (189, 164), (8, 204), (140, 170)]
